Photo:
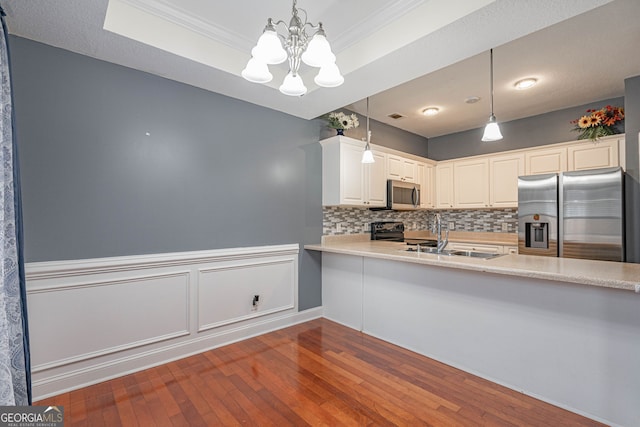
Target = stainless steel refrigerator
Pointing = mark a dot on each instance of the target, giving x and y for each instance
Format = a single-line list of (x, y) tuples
[(572, 214)]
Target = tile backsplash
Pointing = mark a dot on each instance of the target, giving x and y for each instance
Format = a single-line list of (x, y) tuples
[(338, 220)]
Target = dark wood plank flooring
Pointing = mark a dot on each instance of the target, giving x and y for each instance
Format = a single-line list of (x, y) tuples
[(317, 373)]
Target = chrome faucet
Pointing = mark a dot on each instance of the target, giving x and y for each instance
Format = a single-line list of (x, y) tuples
[(437, 230)]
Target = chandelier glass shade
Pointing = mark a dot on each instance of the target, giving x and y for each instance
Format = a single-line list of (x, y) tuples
[(297, 47)]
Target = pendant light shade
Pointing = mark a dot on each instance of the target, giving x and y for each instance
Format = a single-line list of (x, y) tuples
[(491, 130), (367, 155)]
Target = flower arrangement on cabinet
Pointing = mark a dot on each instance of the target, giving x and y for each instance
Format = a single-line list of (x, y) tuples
[(599, 123), (341, 122)]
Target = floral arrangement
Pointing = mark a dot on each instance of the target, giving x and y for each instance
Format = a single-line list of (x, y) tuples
[(599, 123), (341, 121)]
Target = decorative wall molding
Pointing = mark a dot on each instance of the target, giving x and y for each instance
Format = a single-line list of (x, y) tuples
[(227, 314), (56, 269), (181, 17), (96, 319), (54, 312)]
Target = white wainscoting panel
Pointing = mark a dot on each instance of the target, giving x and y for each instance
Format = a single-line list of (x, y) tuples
[(96, 319), (226, 293), (106, 317)]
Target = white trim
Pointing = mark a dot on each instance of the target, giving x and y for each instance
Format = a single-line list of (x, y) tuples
[(56, 269), (371, 23), (181, 17)]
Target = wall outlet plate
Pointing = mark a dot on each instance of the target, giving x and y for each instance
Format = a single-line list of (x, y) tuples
[(452, 225), (505, 226)]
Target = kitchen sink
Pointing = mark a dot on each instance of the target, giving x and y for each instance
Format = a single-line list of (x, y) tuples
[(430, 250), (473, 254), (470, 254)]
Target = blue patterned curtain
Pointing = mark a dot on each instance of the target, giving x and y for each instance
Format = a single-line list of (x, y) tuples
[(15, 375)]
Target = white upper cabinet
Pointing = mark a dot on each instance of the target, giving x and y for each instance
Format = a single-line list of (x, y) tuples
[(346, 180), (376, 180), (471, 183), (401, 169), (503, 179), (594, 155), (426, 175), (444, 185), (546, 160)]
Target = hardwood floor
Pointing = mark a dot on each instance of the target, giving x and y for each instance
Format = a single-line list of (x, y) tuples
[(316, 373)]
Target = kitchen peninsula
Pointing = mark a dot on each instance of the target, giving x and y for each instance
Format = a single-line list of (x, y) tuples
[(566, 331)]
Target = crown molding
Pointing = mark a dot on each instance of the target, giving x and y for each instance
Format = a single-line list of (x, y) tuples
[(370, 23), (169, 12)]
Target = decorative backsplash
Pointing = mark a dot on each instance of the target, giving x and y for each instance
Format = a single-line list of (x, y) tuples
[(338, 220)]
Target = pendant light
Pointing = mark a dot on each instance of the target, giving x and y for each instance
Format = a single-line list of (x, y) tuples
[(492, 130), (367, 155)]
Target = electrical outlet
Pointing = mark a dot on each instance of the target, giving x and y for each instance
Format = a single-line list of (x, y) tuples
[(365, 226), (339, 227), (505, 226), (452, 225)]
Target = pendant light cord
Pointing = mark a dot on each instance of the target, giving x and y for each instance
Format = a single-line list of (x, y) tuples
[(368, 132), (491, 73)]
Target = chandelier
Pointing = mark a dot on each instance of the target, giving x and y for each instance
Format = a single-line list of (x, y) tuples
[(296, 46)]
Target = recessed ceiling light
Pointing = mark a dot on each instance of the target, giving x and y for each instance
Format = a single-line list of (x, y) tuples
[(431, 111), (472, 99), (525, 83)]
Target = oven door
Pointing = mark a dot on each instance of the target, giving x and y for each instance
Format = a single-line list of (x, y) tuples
[(403, 195)]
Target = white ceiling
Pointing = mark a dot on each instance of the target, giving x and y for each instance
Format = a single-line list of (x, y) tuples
[(410, 54)]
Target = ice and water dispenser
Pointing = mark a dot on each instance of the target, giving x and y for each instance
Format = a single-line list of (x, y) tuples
[(537, 235)]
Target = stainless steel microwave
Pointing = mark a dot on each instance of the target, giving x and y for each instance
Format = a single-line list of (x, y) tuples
[(403, 196)]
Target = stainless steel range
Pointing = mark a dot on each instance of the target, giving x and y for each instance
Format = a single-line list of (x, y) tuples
[(392, 231)]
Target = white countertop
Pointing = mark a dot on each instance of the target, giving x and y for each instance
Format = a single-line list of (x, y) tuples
[(607, 274)]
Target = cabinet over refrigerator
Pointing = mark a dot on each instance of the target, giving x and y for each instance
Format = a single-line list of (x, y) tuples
[(573, 214)]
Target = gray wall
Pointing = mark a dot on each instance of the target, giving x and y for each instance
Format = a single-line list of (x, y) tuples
[(215, 172), (543, 129), (632, 119), (383, 134)]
